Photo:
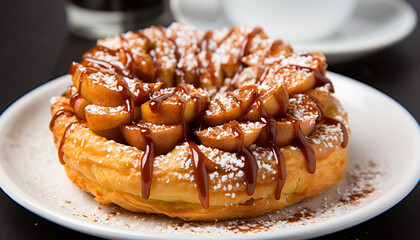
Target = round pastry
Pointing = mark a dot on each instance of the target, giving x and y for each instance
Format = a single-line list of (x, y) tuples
[(200, 126)]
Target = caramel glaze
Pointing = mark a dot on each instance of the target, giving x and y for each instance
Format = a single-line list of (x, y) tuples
[(250, 167), (128, 98), (63, 139), (200, 169), (271, 128), (199, 107), (57, 114), (320, 78), (130, 63), (201, 175), (147, 163)]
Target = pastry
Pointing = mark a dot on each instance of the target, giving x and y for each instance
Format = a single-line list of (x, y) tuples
[(200, 126)]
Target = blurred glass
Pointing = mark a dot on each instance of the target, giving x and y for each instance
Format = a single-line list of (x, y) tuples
[(95, 19)]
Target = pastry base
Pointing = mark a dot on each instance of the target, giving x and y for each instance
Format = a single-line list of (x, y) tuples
[(111, 172)]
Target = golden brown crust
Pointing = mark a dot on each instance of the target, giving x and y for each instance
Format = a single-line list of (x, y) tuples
[(111, 171)]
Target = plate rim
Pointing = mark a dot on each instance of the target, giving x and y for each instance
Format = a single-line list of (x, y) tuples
[(78, 224), (349, 48)]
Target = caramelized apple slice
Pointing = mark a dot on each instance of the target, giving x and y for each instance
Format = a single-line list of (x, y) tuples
[(125, 55), (164, 137), (228, 137), (320, 94), (184, 103), (163, 53), (236, 44), (209, 72), (103, 89), (79, 107), (247, 76), (186, 38), (140, 91), (110, 90), (105, 60), (129, 40), (210, 77), (273, 100), (140, 64), (229, 106), (299, 70), (102, 118), (303, 111), (263, 49)]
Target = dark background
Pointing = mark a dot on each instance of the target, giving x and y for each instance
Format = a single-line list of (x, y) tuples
[(35, 47)]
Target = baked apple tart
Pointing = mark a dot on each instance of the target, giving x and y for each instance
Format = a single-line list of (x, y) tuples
[(200, 126)]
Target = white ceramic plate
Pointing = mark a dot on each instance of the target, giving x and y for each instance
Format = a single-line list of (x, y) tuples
[(376, 24), (384, 166)]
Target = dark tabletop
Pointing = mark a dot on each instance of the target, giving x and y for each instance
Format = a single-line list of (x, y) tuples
[(35, 47)]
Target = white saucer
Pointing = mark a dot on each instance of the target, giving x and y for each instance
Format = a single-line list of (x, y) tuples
[(376, 24), (384, 166)]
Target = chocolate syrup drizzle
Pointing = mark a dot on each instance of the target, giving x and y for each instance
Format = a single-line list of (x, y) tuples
[(330, 121), (320, 78), (305, 147), (200, 169)]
